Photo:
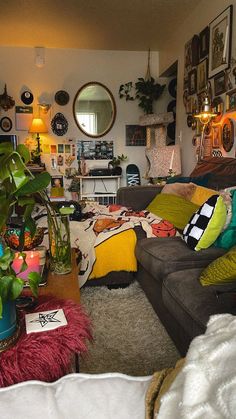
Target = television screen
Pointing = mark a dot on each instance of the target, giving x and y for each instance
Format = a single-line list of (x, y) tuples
[(4, 138)]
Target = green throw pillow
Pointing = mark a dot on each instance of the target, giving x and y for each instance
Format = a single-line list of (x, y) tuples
[(227, 238), (173, 208), (221, 270)]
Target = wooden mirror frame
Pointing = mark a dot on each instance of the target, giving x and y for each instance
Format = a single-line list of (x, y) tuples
[(113, 107)]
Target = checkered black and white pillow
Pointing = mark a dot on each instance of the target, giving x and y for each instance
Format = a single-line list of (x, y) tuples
[(198, 225)]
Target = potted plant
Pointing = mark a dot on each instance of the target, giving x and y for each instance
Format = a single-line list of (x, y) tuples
[(114, 164), (18, 186), (145, 90)]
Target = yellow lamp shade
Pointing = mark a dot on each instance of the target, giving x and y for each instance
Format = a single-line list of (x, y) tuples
[(38, 126)]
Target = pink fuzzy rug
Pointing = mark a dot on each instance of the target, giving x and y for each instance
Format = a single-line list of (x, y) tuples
[(46, 356)]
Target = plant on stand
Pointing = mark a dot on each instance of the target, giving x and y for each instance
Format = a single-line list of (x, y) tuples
[(18, 186)]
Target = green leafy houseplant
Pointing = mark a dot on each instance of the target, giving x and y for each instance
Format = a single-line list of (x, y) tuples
[(116, 161), (145, 90), (18, 186)]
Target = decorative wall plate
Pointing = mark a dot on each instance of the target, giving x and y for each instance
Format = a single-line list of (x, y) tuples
[(5, 124), (59, 124), (62, 97), (27, 97), (228, 134)]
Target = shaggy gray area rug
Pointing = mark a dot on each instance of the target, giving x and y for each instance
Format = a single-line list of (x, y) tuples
[(128, 336)]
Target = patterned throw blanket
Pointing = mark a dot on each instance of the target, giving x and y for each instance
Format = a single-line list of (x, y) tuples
[(106, 221)]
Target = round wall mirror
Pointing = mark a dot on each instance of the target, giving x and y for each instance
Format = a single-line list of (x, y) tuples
[(94, 109)]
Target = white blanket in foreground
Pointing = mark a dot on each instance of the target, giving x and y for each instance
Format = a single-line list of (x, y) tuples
[(77, 396), (206, 387)]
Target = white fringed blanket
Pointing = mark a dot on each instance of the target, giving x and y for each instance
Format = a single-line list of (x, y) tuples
[(206, 386)]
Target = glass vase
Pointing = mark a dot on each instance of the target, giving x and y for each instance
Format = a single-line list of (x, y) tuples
[(59, 243)]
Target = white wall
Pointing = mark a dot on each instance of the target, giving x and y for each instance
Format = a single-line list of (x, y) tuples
[(173, 49), (69, 69)]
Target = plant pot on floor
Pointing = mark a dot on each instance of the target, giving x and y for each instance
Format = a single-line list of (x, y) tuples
[(59, 244), (9, 329)]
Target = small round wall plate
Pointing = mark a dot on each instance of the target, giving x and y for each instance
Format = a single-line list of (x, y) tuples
[(62, 97), (5, 124), (27, 97), (59, 124)]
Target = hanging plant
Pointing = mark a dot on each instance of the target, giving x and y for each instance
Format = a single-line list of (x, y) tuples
[(145, 90)]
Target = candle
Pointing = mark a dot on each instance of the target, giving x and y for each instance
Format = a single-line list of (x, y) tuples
[(32, 260), (172, 159), (226, 42)]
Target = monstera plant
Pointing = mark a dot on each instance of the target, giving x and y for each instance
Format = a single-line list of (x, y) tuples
[(18, 186)]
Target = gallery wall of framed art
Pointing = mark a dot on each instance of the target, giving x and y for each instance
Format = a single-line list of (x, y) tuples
[(210, 70)]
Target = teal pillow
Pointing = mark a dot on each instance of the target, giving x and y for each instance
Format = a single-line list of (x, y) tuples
[(173, 208), (227, 238), (198, 180)]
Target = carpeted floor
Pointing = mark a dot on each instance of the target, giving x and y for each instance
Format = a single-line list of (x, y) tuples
[(128, 337)]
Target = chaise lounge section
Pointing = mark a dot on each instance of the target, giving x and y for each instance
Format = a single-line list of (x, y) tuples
[(168, 272)]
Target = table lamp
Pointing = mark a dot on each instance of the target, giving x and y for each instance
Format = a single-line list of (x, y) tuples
[(38, 126), (205, 117)]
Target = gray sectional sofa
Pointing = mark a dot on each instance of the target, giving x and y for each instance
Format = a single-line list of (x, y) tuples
[(168, 272)]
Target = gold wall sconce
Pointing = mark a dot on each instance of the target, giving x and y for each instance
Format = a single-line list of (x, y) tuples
[(205, 116), (44, 107), (6, 102)]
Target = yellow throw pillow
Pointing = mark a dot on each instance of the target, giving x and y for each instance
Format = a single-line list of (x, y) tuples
[(201, 195), (221, 270)]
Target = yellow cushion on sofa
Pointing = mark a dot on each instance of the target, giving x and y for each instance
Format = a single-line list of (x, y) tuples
[(221, 270), (201, 195)]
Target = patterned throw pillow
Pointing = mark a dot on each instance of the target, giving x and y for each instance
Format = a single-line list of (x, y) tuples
[(221, 270), (206, 224)]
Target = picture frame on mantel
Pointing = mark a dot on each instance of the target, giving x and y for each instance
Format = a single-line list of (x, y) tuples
[(220, 42)]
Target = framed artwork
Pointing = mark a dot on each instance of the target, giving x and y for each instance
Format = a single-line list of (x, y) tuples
[(5, 124), (57, 181), (231, 100), (204, 43), (135, 135), (216, 136), (192, 81), (219, 84), (201, 76), (228, 134), (195, 50), (220, 42), (24, 115), (187, 60)]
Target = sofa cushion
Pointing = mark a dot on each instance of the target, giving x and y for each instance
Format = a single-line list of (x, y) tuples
[(185, 190), (191, 303), (173, 208), (161, 256), (206, 224)]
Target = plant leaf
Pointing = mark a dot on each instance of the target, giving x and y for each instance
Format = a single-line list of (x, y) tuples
[(6, 259), (16, 288), (24, 152), (34, 280), (35, 185), (5, 286)]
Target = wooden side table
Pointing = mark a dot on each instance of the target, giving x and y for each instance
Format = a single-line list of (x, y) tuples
[(66, 286)]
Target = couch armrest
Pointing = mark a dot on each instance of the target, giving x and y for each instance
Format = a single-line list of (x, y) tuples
[(137, 197)]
